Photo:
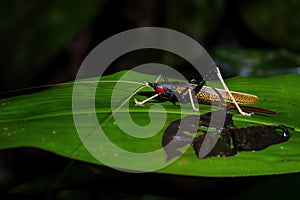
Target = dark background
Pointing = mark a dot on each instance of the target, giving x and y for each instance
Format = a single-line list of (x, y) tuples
[(44, 42)]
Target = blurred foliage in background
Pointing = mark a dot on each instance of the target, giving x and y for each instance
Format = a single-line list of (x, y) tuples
[(44, 42)]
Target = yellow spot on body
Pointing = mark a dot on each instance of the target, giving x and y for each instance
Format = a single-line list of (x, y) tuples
[(5, 129), (53, 132), (9, 134), (3, 104), (115, 154), (179, 89)]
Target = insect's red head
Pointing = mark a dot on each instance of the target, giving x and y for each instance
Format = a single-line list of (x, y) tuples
[(160, 90), (157, 87)]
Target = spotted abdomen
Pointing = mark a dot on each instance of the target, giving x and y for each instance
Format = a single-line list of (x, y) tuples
[(208, 94)]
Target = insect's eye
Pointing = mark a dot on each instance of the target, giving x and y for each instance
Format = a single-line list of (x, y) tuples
[(193, 81), (160, 90), (150, 84)]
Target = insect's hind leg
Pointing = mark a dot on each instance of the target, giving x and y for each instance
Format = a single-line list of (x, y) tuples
[(231, 96)]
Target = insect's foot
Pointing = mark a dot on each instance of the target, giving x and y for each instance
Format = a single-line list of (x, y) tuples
[(247, 114), (138, 103)]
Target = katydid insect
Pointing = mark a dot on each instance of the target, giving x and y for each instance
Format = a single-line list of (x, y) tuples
[(198, 92)]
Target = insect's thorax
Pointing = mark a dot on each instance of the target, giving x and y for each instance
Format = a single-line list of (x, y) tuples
[(173, 91)]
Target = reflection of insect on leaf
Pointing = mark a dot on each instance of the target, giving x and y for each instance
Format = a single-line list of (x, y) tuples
[(251, 138), (231, 140)]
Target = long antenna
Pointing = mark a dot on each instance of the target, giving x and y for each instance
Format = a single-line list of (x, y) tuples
[(69, 83), (103, 122)]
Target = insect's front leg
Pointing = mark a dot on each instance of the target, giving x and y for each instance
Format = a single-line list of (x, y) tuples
[(140, 103)]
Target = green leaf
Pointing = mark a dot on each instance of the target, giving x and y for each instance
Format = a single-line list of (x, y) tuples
[(45, 120)]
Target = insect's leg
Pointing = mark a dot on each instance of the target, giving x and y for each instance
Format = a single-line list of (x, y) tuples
[(165, 78), (199, 86), (139, 103), (231, 96), (157, 78), (192, 102)]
